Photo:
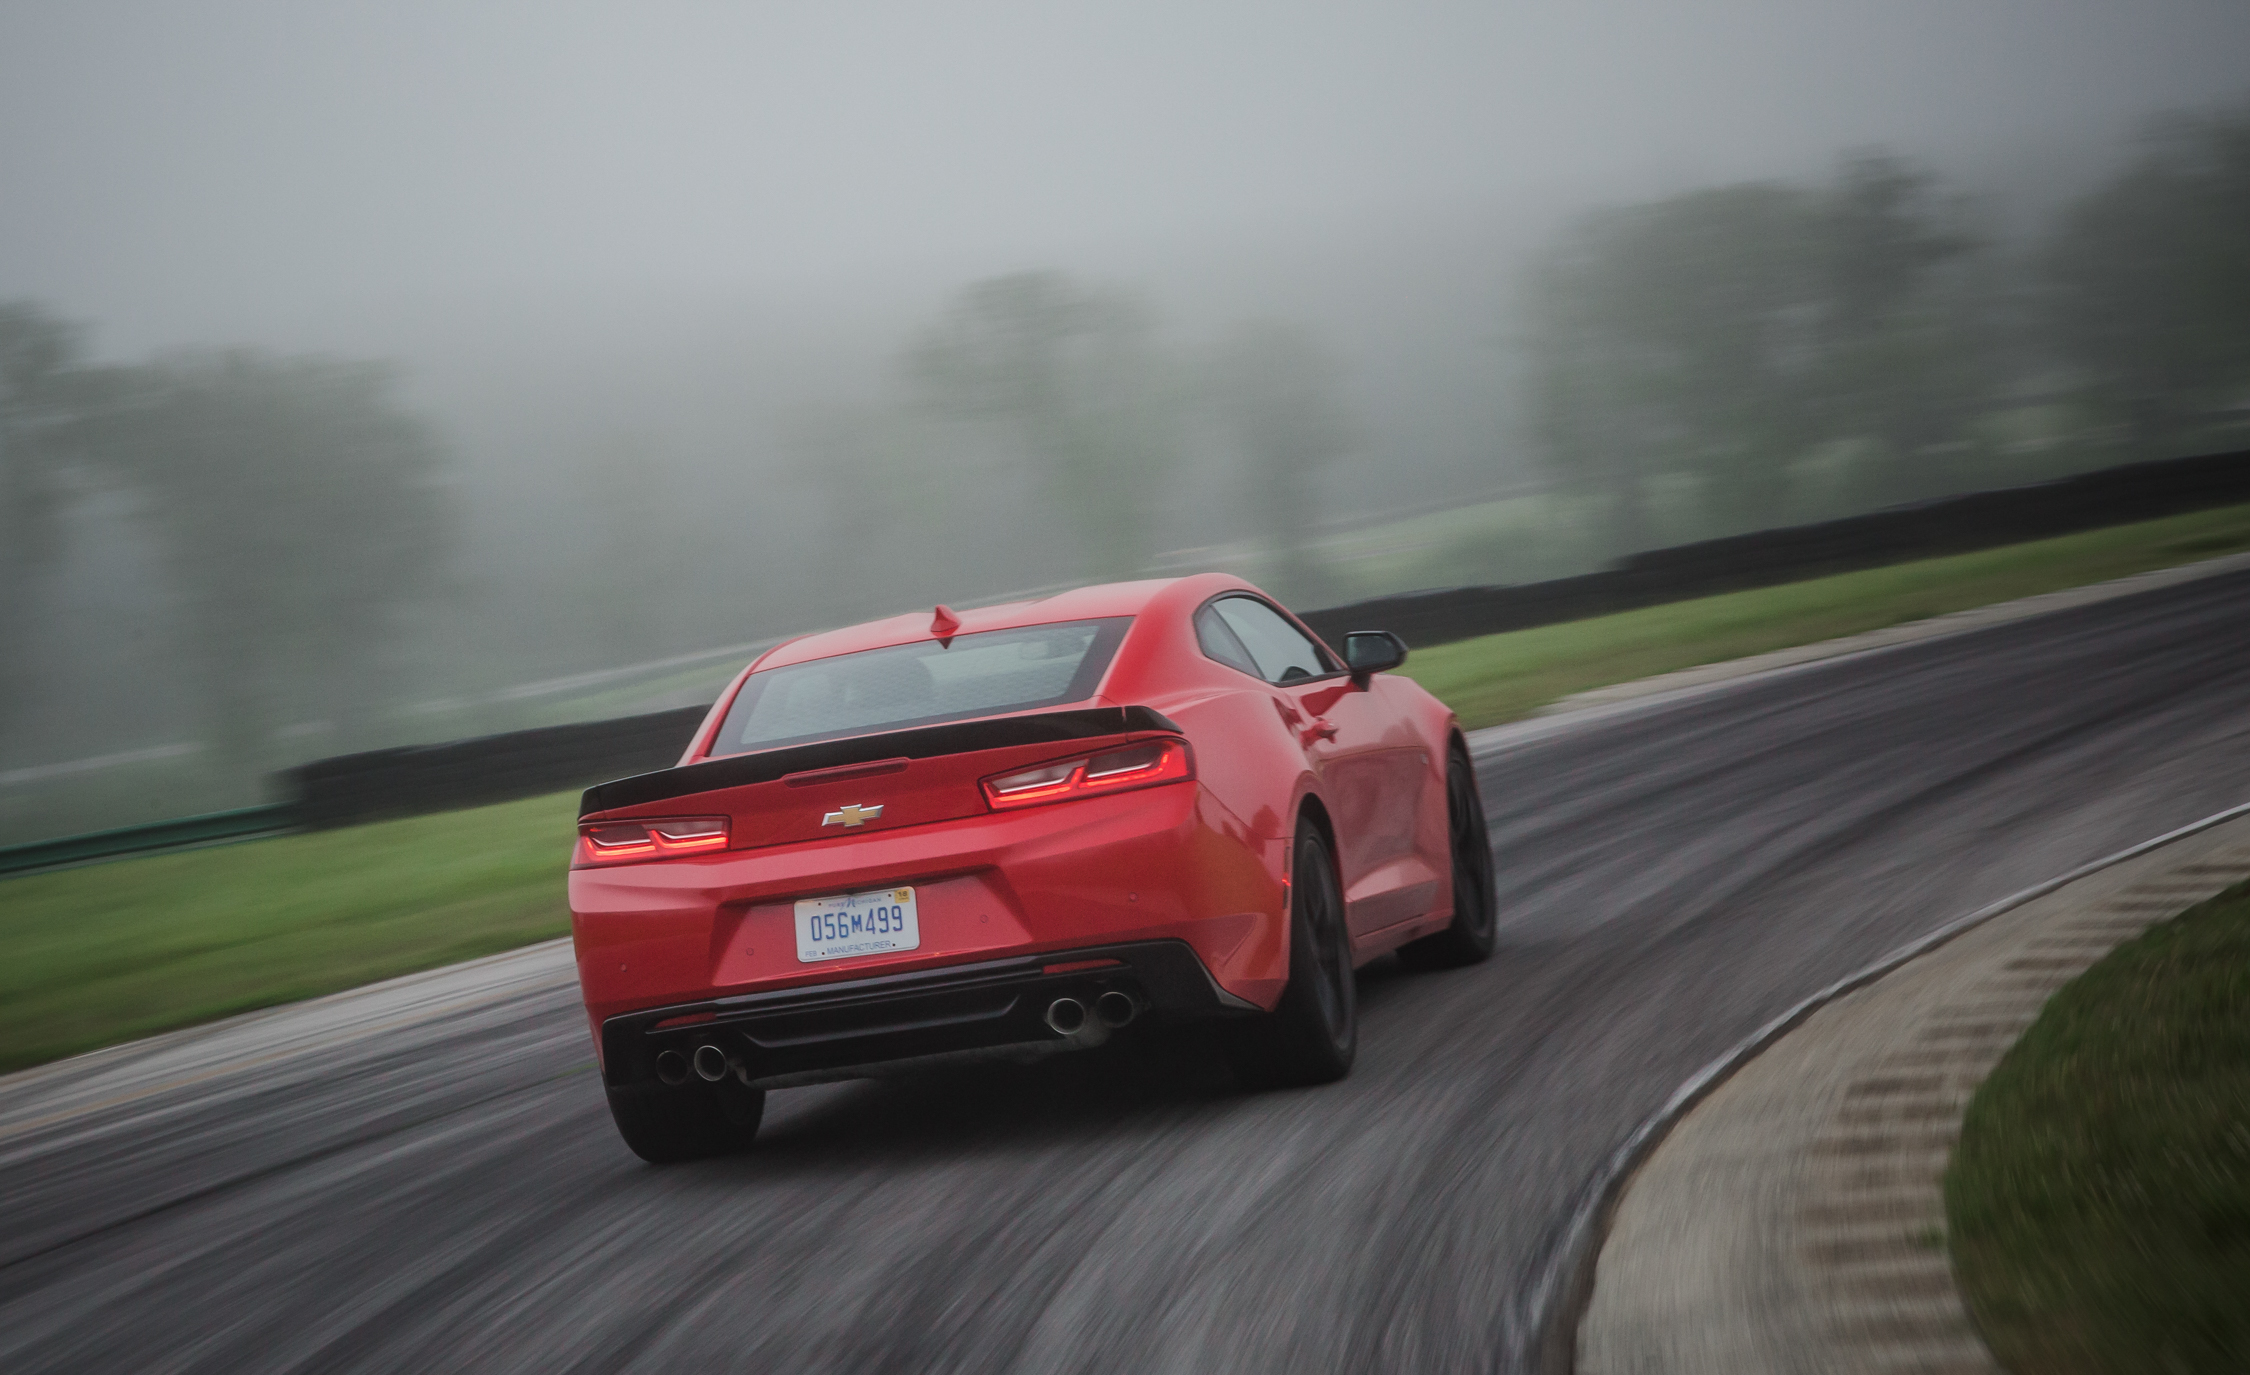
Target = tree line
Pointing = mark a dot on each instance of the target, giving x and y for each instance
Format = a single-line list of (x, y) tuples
[(1075, 376), (1731, 342), (296, 506), (1737, 353), (306, 529)]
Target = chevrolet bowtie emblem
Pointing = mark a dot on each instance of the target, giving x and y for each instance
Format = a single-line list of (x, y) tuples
[(852, 814)]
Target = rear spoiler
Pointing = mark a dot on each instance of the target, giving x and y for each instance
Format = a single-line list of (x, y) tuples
[(926, 742)]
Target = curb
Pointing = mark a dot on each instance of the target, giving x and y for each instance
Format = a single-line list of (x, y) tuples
[(1560, 1297)]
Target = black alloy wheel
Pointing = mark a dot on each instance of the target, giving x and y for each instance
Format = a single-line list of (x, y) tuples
[(1473, 932), (1312, 1035), (667, 1125)]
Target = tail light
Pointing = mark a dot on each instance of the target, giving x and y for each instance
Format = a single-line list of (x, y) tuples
[(1112, 771), (615, 842)]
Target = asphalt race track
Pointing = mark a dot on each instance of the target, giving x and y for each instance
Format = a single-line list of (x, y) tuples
[(436, 1186)]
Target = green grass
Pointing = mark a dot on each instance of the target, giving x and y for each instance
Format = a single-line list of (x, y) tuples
[(1501, 677), (105, 953), (101, 954), (2099, 1200)]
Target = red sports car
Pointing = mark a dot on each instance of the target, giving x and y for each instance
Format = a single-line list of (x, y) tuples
[(1016, 830)]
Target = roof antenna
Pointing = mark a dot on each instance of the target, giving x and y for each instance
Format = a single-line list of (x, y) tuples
[(944, 624)]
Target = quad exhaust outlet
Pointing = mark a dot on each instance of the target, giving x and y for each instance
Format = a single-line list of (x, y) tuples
[(1066, 1016), (1090, 1026), (711, 1064)]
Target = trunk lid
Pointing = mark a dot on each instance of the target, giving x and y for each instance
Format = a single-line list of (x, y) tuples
[(870, 783)]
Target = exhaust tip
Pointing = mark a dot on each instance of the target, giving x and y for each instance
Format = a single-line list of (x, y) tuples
[(672, 1069), (1114, 1009), (710, 1064), (1066, 1016)]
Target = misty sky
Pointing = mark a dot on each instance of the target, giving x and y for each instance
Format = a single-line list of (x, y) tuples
[(270, 171)]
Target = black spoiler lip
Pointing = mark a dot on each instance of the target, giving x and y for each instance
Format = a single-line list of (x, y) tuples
[(923, 742)]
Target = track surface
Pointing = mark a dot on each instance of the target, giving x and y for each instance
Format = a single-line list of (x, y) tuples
[(445, 1192)]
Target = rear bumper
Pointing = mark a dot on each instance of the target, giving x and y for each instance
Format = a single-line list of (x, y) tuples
[(1141, 868), (843, 1030)]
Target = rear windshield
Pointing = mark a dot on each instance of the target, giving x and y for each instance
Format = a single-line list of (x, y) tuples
[(920, 684)]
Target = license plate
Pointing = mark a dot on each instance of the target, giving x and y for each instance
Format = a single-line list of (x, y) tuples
[(856, 924)]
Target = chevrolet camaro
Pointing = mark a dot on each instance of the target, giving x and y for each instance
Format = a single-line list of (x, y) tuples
[(1018, 830)]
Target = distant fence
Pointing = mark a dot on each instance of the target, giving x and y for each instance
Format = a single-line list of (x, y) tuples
[(492, 768), (498, 768), (1951, 525)]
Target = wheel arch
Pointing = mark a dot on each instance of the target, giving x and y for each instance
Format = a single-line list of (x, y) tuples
[(1311, 808), (1456, 743)]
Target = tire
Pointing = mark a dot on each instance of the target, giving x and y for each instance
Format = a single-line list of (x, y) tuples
[(1312, 1034), (1471, 937), (666, 1125)]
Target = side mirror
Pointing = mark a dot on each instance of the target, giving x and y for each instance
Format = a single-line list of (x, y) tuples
[(1369, 652)]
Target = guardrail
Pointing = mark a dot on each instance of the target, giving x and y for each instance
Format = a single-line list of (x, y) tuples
[(184, 833), (499, 768)]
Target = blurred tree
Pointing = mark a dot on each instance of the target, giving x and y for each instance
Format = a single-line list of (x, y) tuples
[(39, 400), (1280, 395), (2149, 283), (1905, 358), (1582, 425), (1682, 333), (885, 511), (1883, 235), (1723, 332), (1077, 375), (640, 555), (300, 508)]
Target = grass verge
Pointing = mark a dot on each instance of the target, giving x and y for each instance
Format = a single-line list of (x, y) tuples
[(2099, 1200), (1498, 678), (97, 955), (105, 953)]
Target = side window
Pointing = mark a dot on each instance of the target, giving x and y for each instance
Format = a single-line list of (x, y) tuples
[(1280, 650), (1219, 643)]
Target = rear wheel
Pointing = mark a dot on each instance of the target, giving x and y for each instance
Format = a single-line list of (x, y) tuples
[(666, 1125), (1312, 1035), (1472, 935)]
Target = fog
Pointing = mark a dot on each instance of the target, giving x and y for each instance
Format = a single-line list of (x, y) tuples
[(649, 278), (309, 176)]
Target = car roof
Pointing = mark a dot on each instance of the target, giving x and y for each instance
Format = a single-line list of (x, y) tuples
[(1078, 604)]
